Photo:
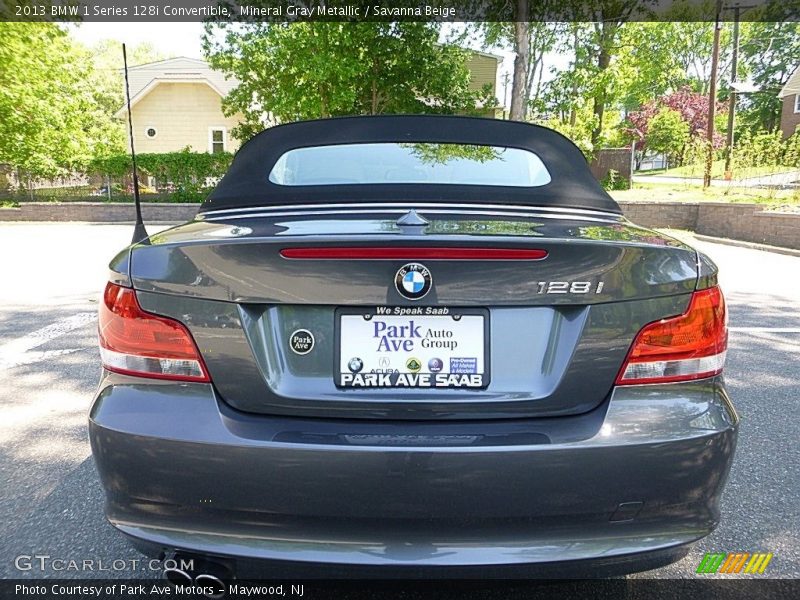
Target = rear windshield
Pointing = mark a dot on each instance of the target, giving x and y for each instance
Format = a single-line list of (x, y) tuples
[(400, 163)]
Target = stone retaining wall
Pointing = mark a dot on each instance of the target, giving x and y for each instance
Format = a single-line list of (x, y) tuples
[(97, 212), (746, 222)]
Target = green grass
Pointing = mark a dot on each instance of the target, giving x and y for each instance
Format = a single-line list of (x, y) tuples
[(665, 192), (718, 171)]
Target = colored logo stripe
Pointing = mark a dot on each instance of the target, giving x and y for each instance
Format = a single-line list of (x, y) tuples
[(758, 563), (734, 562), (711, 562)]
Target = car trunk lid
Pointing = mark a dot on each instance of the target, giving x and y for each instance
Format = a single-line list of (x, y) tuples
[(555, 328)]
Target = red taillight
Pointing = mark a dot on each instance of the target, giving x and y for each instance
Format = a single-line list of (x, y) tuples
[(690, 346), (134, 342)]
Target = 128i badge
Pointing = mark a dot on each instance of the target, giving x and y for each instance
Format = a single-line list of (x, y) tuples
[(413, 281)]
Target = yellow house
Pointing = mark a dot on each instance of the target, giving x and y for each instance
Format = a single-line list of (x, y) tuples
[(177, 103), (483, 68)]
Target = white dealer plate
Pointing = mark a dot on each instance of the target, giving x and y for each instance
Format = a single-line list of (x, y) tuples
[(412, 347)]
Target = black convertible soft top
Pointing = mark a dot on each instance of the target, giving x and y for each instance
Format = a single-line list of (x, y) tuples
[(572, 184)]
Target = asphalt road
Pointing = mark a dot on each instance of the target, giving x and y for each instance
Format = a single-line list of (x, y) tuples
[(51, 276)]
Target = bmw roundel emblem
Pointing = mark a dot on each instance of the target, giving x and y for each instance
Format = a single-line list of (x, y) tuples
[(413, 281)]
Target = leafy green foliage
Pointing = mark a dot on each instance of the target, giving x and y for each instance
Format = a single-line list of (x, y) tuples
[(659, 57), (667, 132), (168, 166), (691, 109), (580, 132), (107, 76), (184, 176), (614, 181), (52, 118), (624, 65), (767, 149), (541, 37), (770, 52), (311, 70)]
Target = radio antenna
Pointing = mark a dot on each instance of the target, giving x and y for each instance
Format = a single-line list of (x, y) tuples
[(139, 232)]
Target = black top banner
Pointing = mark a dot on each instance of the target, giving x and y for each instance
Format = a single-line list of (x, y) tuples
[(281, 11)]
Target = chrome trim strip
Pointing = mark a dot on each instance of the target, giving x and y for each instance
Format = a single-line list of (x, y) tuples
[(406, 206), (403, 211)]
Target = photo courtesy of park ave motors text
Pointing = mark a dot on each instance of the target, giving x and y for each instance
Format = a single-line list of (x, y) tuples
[(396, 295)]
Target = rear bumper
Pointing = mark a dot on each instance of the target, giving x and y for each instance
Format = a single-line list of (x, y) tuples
[(627, 485)]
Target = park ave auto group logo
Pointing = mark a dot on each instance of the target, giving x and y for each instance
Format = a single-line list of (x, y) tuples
[(413, 347)]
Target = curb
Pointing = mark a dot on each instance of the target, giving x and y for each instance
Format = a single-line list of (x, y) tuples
[(749, 245)]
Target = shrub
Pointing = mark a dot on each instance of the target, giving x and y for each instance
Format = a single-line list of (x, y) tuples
[(668, 133), (767, 149), (614, 181), (180, 176)]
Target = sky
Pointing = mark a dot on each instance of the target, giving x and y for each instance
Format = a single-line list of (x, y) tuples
[(178, 39)]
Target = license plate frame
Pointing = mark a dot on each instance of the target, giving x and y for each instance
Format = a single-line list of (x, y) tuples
[(407, 312)]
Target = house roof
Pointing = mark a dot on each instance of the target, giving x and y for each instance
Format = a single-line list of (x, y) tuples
[(792, 86), (143, 78), (497, 57)]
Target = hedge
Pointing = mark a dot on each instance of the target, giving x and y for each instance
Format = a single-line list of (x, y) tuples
[(188, 173)]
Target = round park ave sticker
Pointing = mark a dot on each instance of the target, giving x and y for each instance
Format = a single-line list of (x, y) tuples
[(301, 341)]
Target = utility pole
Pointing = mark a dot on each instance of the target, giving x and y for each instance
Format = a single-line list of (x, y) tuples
[(712, 99), (732, 95)]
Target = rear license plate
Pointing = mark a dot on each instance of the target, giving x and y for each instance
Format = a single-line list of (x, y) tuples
[(412, 347)]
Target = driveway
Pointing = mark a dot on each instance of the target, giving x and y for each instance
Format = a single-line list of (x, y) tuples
[(51, 502)]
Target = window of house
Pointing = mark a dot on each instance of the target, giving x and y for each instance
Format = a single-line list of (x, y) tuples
[(797, 103), (216, 140), (151, 132)]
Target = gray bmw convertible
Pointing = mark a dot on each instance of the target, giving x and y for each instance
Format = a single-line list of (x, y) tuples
[(412, 344)]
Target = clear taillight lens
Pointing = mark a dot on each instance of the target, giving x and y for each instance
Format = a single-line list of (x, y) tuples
[(682, 348), (134, 342)]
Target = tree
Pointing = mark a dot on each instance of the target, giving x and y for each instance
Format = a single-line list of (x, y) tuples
[(530, 42), (522, 49), (311, 70), (770, 52), (107, 75), (608, 18), (667, 133), (594, 41), (692, 108), (51, 119), (657, 58)]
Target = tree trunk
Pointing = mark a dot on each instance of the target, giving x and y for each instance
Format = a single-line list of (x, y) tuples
[(522, 49), (374, 104), (324, 92), (606, 34), (573, 113), (323, 99)]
